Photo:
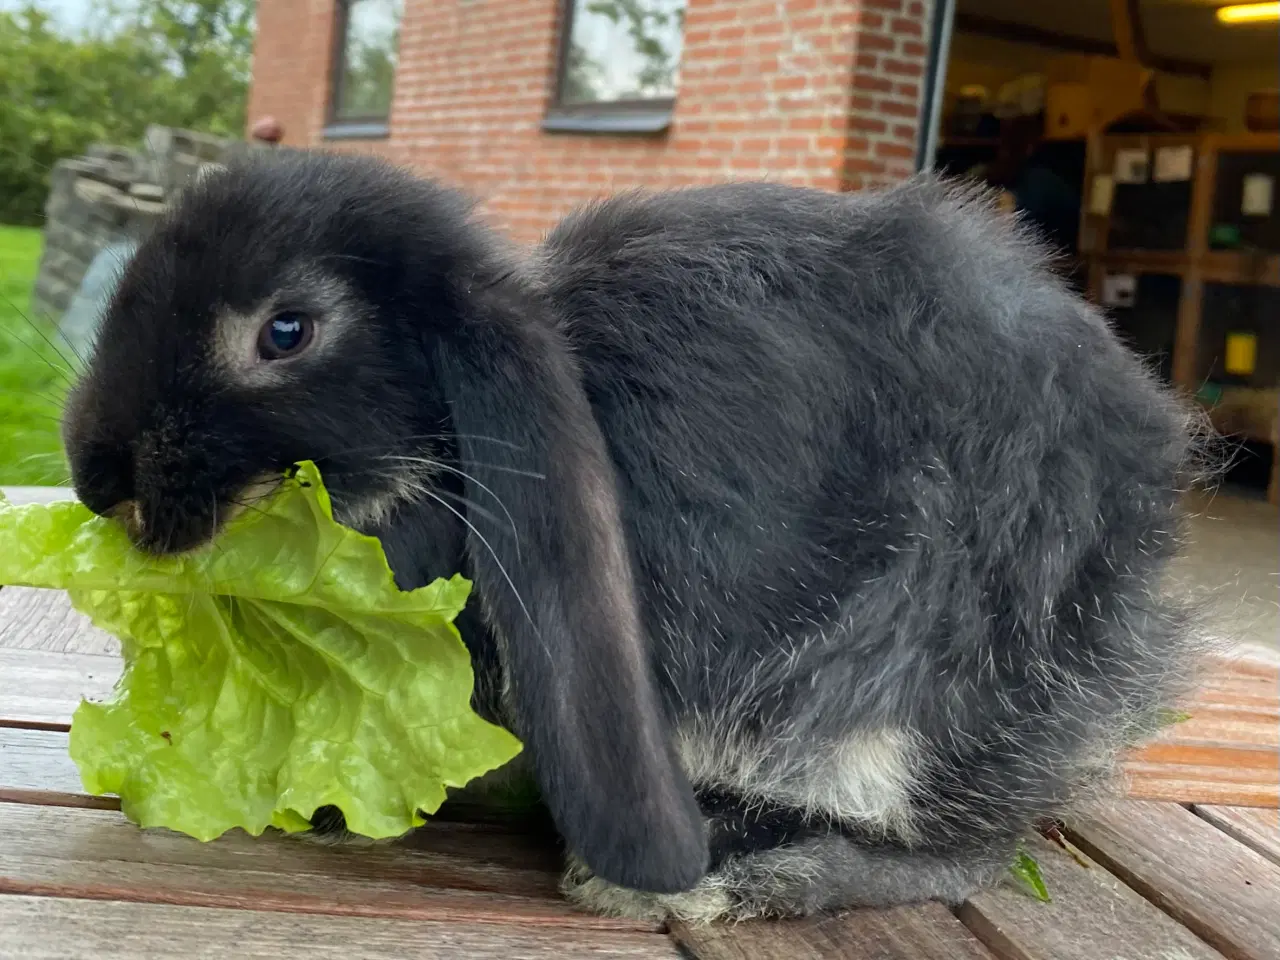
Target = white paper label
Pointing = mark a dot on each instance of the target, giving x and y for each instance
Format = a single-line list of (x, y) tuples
[(1173, 163), (1119, 289), (1100, 194), (1256, 201), (1131, 166)]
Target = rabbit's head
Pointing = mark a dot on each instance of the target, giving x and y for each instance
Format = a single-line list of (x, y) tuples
[(339, 310)]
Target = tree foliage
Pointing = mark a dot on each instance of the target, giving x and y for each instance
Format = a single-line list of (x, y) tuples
[(182, 63)]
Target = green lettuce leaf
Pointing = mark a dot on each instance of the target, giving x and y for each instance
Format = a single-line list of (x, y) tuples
[(276, 671)]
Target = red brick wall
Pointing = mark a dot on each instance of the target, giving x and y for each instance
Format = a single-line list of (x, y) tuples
[(817, 92), (291, 66), (888, 77)]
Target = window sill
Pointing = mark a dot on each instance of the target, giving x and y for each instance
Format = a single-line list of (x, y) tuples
[(356, 131), (607, 119)]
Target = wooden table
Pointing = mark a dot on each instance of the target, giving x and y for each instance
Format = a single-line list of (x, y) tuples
[(1191, 871)]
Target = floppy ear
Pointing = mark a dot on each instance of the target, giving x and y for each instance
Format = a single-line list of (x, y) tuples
[(557, 588)]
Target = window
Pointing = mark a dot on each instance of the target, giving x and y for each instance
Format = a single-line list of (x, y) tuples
[(368, 39), (619, 65)]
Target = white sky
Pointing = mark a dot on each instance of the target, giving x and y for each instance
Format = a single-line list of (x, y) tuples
[(71, 15)]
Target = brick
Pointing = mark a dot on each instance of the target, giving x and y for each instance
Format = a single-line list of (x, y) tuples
[(876, 41), (863, 165), (902, 68), (791, 82), (819, 92), (895, 150), (868, 81), (904, 26), (894, 108), (864, 123), (808, 123)]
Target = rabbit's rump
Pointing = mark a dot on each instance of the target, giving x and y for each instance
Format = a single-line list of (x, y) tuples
[(900, 506)]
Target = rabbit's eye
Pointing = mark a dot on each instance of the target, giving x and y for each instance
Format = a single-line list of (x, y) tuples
[(284, 335)]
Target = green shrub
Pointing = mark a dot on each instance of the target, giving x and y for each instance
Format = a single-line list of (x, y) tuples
[(181, 63)]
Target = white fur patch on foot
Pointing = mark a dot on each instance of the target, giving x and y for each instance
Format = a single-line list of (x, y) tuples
[(707, 902)]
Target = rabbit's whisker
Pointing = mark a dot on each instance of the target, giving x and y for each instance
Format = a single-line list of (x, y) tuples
[(437, 465), (418, 487), (493, 553)]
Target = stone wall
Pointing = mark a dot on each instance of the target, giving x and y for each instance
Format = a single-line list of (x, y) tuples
[(113, 195)]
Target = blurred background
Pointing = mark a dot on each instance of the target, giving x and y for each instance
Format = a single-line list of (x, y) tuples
[(1142, 137)]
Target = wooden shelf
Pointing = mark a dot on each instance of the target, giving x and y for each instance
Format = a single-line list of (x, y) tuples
[(1196, 264), (1219, 266), (1143, 261), (1231, 266)]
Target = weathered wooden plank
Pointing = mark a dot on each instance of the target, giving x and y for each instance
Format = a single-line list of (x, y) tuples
[(440, 852), (1198, 753), (51, 928), (1214, 785), (33, 619), (1224, 891), (1249, 681), (36, 768), (20, 495), (37, 760), (1227, 752), (1092, 915), (42, 687), (1231, 723), (450, 872), (1259, 829), (927, 932)]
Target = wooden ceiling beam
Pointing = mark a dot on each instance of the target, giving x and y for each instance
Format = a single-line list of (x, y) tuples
[(1070, 43), (1126, 27)]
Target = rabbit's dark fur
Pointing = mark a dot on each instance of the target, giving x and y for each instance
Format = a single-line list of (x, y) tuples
[(818, 539)]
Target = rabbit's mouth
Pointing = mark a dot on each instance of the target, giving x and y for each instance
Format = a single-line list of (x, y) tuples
[(163, 531), (169, 528)]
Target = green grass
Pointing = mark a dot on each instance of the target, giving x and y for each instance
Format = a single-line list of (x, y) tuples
[(33, 374)]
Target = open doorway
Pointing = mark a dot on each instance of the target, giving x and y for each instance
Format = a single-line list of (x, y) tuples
[(1142, 139)]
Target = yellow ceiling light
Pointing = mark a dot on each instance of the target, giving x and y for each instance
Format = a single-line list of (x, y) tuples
[(1249, 12)]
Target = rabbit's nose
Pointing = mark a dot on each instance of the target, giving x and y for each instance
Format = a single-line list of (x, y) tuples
[(103, 475)]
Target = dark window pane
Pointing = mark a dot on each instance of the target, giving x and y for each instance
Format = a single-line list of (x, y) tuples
[(622, 50), (368, 69)]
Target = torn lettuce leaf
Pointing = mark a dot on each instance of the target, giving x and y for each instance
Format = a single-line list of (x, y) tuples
[(273, 672)]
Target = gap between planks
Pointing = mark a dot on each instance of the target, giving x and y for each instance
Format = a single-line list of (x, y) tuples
[(1224, 890), (1259, 829), (1092, 914)]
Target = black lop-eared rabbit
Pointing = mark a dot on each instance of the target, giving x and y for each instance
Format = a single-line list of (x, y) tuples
[(818, 540)]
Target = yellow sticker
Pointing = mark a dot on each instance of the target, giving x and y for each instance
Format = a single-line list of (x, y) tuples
[(1242, 354)]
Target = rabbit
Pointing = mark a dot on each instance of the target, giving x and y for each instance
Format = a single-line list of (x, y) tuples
[(818, 540)]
